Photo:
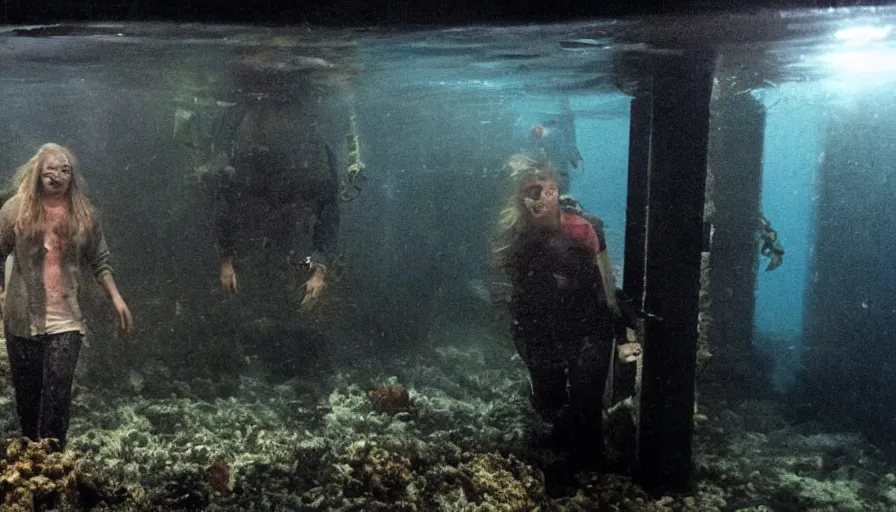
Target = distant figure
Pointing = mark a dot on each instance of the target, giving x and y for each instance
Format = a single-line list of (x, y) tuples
[(54, 237), (554, 137), (563, 305), (269, 194), (275, 177)]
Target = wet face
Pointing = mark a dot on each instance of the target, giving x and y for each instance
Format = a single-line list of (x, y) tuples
[(55, 175), (542, 199)]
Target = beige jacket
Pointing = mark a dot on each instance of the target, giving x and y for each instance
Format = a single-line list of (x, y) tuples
[(24, 307)]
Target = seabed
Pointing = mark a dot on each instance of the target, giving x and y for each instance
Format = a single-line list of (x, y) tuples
[(463, 442)]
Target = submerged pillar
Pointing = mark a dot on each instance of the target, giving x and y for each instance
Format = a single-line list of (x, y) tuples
[(850, 321), (676, 117), (732, 211)]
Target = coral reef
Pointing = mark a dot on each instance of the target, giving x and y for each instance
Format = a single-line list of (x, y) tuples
[(469, 444), (751, 456)]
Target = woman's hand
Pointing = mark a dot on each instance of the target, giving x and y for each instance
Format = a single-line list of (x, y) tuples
[(125, 320), (314, 288), (228, 278)]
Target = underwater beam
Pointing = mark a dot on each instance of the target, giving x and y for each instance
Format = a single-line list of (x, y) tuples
[(678, 124)]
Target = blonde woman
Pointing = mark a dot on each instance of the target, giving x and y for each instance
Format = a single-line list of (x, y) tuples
[(53, 235), (563, 306)]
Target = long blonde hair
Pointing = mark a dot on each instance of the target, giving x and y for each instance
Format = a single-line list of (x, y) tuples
[(515, 219), (30, 218)]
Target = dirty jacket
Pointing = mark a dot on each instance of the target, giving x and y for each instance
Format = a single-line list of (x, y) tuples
[(24, 309)]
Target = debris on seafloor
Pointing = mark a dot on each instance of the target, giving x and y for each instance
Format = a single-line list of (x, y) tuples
[(390, 399), (220, 477)]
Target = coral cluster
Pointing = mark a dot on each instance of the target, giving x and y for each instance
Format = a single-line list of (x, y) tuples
[(383, 475), (36, 475), (505, 483), (390, 399), (618, 493)]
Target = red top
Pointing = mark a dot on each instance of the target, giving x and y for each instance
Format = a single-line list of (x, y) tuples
[(579, 228)]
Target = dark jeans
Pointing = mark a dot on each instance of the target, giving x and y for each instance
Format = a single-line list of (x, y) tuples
[(43, 369), (568, 374)]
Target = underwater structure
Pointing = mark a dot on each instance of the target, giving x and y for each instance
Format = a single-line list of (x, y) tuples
[(740, 163), (850, 310)]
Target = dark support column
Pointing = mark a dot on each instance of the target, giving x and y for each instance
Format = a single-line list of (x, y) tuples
[(635, 220), (622, 431), (622, 435), (733, 207), (676, 192), (850, 322)]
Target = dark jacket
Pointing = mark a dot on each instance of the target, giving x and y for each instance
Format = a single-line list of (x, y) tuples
[(277, 159)]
